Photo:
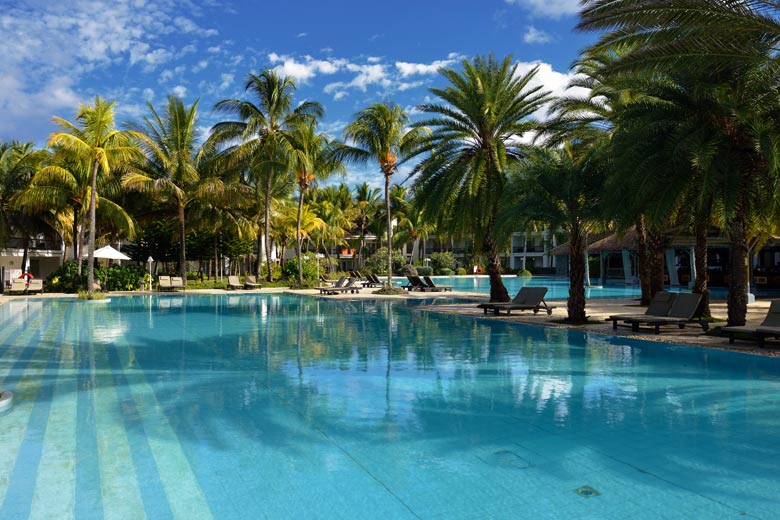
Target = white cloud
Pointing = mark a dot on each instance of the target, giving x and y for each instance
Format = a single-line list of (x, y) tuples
[(179, 91), (548, 8), (409, 69), (148, 94), (227, 81), (306, 69), (534, 35), (551, 80), (373, 59), (202, 64), (302, 35)]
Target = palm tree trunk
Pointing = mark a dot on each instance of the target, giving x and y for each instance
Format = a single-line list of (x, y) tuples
[(76, 245), (298, 238), (389, 233), (25, 250), (259, 258), (92, 206), (700, 284), (268, 185), (498, 292), (643, 267), (182, 246), (576, 302), (655, 246), (738, 264)]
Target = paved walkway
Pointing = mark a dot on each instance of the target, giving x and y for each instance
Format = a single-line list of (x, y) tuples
[(597, 310)]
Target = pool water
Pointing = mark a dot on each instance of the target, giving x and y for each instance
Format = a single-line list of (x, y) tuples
[(558, 287), (277, 406)]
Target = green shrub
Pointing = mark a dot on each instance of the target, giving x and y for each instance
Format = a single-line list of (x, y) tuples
[(92, 295), (445, 272), (127, 277), (460, 271), (310, 270), (524, 272), (377, 262), (425, 270), (443, 260)]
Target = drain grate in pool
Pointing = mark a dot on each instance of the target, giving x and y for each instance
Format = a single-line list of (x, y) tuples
[(587, 492)]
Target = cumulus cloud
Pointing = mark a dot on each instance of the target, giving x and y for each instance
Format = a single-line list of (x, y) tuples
[(548, 8), (550, 80), (305, 69), (179, 91), (202, 64), (534, 35)]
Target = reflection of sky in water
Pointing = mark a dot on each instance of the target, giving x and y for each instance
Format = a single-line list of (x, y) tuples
[(273, 405)]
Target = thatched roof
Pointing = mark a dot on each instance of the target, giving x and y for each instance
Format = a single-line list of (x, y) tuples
[(627, 241)]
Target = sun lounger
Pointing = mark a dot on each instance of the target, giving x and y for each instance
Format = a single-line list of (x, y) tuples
[(164, 283), (325, 281), (372, 281), (415, 284), (35, 286), (339, 283), (769, 328), (18, 286), (683, 309), (527, 299), (234, 283), (660, 306), (177, 282), (348, 287), (431, 286), (251, 283)]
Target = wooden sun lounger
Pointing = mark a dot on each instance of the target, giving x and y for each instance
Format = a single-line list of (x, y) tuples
[(18, 286), (250, 282), (526, 299), (682, 311), (234, 283), (431, 286), (35, 286), (659, 307), (164, 283), (177, 282), (348, 287), (769, 328)]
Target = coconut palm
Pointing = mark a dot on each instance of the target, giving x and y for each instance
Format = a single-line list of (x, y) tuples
[(107, 150), (171, 143), (313, 159), (367, 201), (380, 133), (260, 138), (476, 131)]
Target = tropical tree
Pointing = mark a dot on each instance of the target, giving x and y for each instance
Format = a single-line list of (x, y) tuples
[(260, 138), (107, 150), (476, 131), (366, 206), (731, 47), (380, 133), (18, 164), (313, 159)]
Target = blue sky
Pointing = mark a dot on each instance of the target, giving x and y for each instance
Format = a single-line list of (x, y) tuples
[(345, 54)]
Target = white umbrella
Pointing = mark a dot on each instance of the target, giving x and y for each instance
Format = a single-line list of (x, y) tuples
[(110, 253)]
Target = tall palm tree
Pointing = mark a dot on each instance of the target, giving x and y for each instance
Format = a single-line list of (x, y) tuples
[(170, 141), (380, 133), (485, 109), (107, 150), (561, 186), (260, 138), (366, 207), (731, 47), (313, 159)]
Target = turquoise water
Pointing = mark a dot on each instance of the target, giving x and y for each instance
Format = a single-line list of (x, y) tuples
[(558, 287), (274, 406)]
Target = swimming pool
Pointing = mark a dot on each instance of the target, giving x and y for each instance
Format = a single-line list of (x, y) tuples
[(277, 406), (558, 287)]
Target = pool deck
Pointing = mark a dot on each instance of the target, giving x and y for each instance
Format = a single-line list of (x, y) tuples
[(597, 309)]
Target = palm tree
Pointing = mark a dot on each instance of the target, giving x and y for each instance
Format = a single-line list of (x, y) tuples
[(732, 48), (380, 132), (486, 109), (107, 150), (170, 141), (18, 164), (313, 159), (261, 137), (561, 186), (366, 208)]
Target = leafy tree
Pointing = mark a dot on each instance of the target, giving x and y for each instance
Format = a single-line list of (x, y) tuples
[(485, 110), (380, 133), (263, 130), (107, 150)]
